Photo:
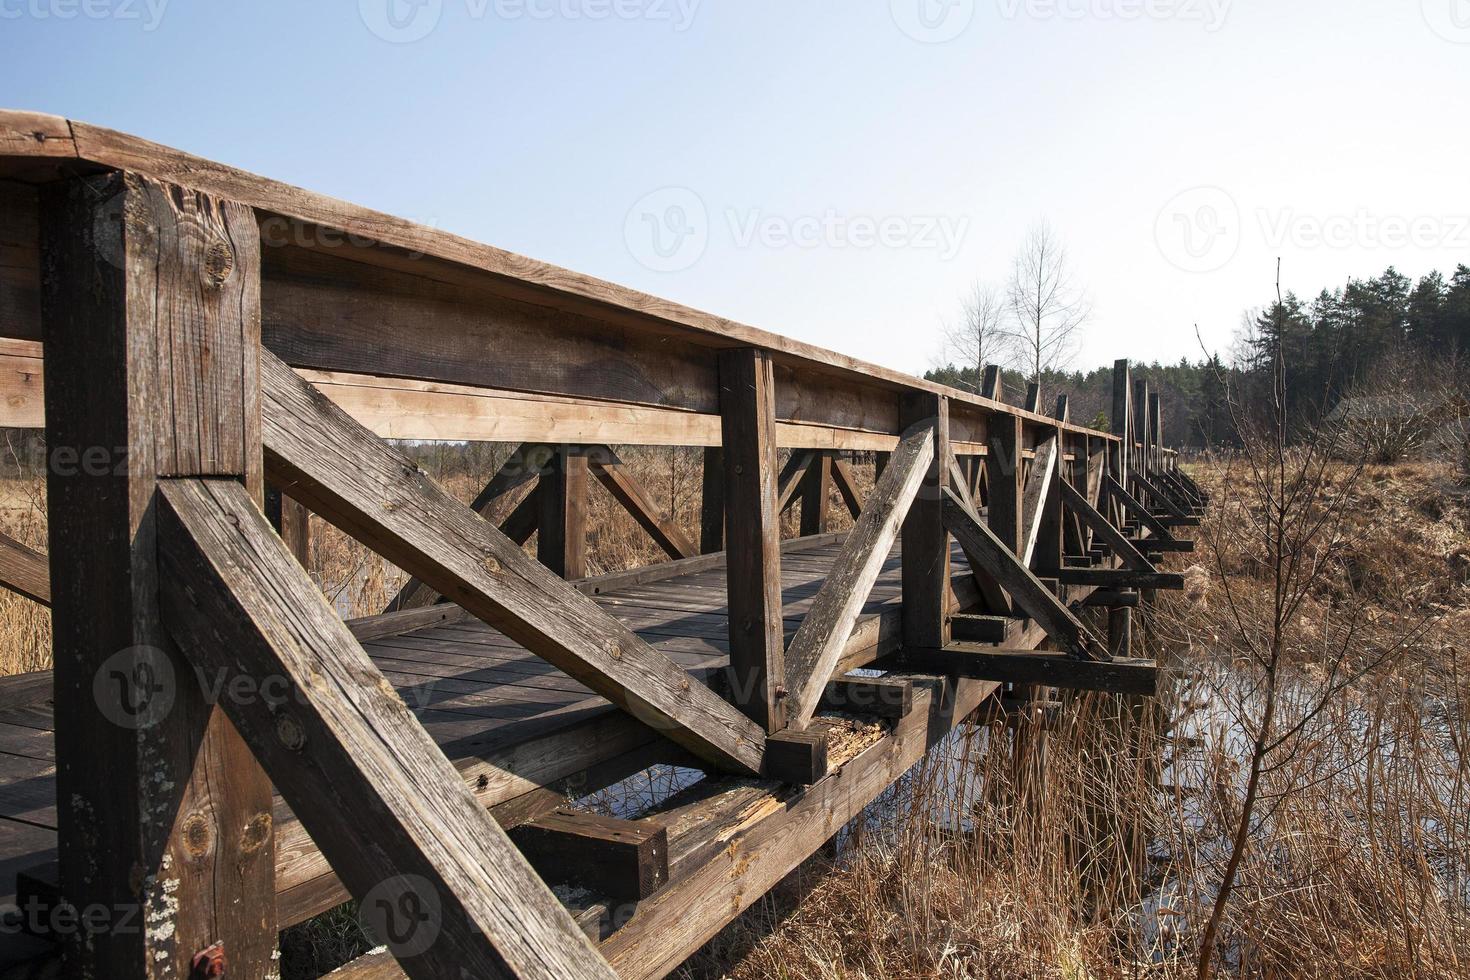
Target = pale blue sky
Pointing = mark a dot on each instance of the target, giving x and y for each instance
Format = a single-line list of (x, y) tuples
[(847, 168)]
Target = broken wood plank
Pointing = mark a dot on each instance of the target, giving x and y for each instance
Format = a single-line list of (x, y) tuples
[(349, 476)]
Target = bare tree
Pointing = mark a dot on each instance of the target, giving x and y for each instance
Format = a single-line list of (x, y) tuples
[(1047, 305), (980, 337)]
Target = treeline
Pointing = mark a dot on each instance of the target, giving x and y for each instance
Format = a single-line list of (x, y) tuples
[(1370, 333)]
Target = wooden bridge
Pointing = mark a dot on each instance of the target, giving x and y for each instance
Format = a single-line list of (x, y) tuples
[(218, 756)]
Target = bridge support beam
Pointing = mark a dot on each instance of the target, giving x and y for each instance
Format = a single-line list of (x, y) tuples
[(151, 310)]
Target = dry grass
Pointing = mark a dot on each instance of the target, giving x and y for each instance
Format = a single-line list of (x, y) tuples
[(1103, 862)]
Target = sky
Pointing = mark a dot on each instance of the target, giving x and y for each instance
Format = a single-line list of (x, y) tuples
[(839, 171)]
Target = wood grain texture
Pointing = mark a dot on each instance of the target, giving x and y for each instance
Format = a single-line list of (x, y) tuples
[(347, 475), (613, 474), (815, 650), (374, 791), (1033, 499), (561, 540), (926, 554), (150, 307), (753, 536), (24, 570)]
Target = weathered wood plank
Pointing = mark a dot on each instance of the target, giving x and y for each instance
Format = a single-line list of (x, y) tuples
[(1031, 668), (561, 539), (753, 536), (150, 302), (1101, 526), (625, 488), (815, 501), (886, 697), (1033, 501), (846, 483), (374, 791), (925, 540), (1132, 506), (819, 642), (24, 570), (1121, 578), (350, 477), (1030, 595), (712, 502), (794, 756), (622, 859)]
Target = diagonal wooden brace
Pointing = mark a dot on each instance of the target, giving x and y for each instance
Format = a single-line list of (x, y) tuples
[(395, 819), (324, 458), (1131, 504), (1104, 529), (1030, 595), (823, 634)]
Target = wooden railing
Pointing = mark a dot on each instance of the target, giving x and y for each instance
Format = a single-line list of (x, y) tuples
[(207, 332)]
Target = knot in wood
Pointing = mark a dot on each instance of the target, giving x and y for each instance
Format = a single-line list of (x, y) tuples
[(219, 263), (615, 650), (290, 733), (492, 565), (197, 836), (257, 832)]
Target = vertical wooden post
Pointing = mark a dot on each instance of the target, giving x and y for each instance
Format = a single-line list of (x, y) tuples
[(292, 522), (561, 541), (753, 535), (1033, 397), (151, 315), (1141, 433), (990, 385), (1121, 458), (1005, 475), (815, 499), (925, 541), (1120, 631), (1156, 429), (712, 502)]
